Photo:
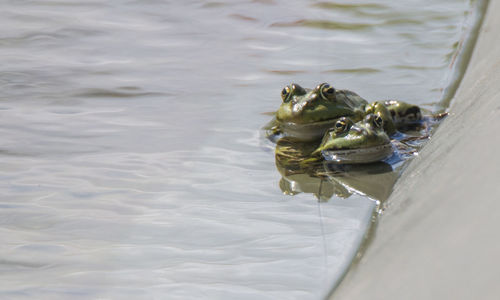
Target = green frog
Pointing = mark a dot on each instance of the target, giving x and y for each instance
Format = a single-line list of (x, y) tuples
[(353, 143), (306, 114)]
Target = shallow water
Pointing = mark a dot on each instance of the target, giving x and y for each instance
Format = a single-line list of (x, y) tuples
[(132, 163)]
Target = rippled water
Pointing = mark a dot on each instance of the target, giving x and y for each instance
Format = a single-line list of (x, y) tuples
[(131, 159)]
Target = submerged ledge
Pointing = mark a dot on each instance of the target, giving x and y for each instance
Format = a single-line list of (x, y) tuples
[(437, 237)]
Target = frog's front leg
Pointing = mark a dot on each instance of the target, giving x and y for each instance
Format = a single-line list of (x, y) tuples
[(403, 114), (379, 109)]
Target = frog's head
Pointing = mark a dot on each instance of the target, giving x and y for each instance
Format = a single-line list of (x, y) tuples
[(361, 142), (381, 110), (307, 113), (304, 106)]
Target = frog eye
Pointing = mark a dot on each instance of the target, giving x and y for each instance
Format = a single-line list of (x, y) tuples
[(341, 125), (378, 122), (326, 91), (286, 94)]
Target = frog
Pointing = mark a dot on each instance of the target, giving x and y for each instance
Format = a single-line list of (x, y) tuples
[(306, 114), (403, 114), (361, 142), (381, 110)]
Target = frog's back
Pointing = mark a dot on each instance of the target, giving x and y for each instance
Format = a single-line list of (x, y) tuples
[(350, 98)]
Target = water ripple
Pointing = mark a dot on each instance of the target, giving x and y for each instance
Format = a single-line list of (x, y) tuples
[(103, 93), (324, 24)]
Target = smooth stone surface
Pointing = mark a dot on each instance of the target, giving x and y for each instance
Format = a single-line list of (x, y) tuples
[(438, 236)]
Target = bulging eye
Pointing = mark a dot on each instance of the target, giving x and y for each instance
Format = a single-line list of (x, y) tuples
[(291, 90), (286, 94), (326, 91), (378, 122), (341, 125)]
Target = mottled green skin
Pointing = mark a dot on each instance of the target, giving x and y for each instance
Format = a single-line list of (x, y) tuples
[(305, 106), (402, 113), (307, 114)]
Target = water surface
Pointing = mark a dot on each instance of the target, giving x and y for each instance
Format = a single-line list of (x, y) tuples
[(131, 160)]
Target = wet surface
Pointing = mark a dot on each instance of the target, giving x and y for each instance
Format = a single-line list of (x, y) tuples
[(132, 163)]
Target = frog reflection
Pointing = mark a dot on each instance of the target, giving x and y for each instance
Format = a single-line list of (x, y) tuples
[(302, 172)]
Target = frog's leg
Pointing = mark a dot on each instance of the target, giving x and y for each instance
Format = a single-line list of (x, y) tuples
[(272, 130), (402, 113), (378, 108)]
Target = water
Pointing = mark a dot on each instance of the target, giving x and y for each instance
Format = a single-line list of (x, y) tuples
[(131, 160)]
